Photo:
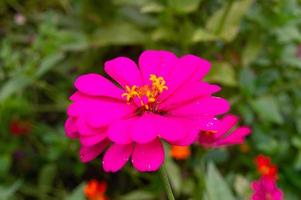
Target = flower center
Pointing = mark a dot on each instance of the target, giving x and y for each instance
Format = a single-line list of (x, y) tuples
[(146, 96)]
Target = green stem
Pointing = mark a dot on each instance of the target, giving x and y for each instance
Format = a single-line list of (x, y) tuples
[(166, 183)]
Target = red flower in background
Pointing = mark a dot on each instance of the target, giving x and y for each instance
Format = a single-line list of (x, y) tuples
[(95, 190), (180, 152), (19, 127), (266, 187), (265, 167)]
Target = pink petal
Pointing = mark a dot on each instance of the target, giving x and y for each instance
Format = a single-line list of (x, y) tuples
[(148, 157), (189, 68), (156, 62), (172, 129), (236, 137), (205, 106), (124, 71), (71, 128), (189, 92), (85, 130), (116, 157), (199, 65), (96, 85), (91, 140), (99, 113), (87, 154), (227, 123), (119, 132), (143, 130)]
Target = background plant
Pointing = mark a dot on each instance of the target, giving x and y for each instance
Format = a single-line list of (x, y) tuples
[(44, 45)]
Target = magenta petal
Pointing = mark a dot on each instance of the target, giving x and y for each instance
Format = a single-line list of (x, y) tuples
[(199, 65), (124, 71), (87, 154), (91, 140), (171, 129), (236, 137), (143, 130), (148, 157), (96, 85), (227, 123), (109, 113), (156, 62), (85, 130), (116, 157), (119, 132), (205, 106), (189, 92), (71, 128), (189, 68)]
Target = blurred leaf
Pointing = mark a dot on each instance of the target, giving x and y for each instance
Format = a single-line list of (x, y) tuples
[(202, 35), (138, 195), (174, 174), (223, 73), (77, 193), (118, 34), (184, 6), (48, 63), (5, 163), (247, 82), (251, 50), (7, 192), (216, 186), (267, 108), (225, 22), (13, 85), (46, 177)]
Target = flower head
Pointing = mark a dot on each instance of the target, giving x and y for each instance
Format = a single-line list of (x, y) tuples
[(265, 167), (95, 190), (180, 152), (19, 127), (162, 99), (266, 189), (223, 133)]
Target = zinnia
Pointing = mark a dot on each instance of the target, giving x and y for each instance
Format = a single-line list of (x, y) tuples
[(266, 189), (162, 99), (95, 190), (223, 133), (180, 152)]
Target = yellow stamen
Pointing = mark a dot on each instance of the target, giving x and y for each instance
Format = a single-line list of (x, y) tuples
[(151, 92)]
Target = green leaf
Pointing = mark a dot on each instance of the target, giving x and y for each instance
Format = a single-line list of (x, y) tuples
[(118, 34), (267, 109), (138, 195), (174, 175), (202, 35), (184, 6), (5, 163), (251, 51), (216, 186), (46, 178), (7, 192), (13, 85), (223, 73), (48, 63), (77, 193), (225, 22)]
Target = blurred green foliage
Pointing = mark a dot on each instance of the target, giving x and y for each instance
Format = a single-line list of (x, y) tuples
[(253, 46)]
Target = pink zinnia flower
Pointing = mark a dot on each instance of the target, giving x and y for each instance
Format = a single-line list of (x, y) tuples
[(222, 133), (266, 189), (162, 99)]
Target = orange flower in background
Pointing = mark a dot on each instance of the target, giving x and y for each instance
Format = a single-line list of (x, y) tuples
[(19, 127), (265, 167), (180, 152), (95, 190)]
